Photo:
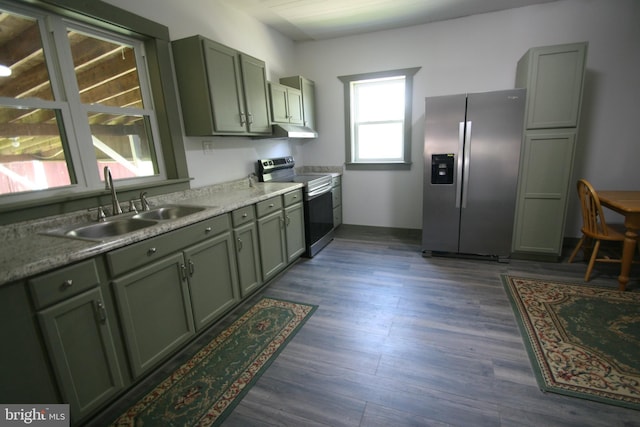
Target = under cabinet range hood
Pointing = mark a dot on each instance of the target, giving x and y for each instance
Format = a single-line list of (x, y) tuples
[(286, 130)]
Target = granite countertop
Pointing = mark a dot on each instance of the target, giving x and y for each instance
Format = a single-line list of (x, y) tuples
[(25, 251)]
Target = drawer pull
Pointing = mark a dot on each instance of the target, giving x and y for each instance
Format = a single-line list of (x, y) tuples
[(208, 230), (244, 215), (67, 284), (192, 268), (271, 205), (151, 251), (239, 244)]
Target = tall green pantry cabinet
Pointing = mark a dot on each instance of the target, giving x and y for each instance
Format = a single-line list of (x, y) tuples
[(554, 78)]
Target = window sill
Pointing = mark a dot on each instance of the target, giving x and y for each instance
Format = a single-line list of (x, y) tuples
[(56, 205), (378, 166)]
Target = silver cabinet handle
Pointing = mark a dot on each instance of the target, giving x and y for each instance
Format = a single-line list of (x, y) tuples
[(192, 268), (67, 284), (152, 251), (102, 311), (207, 230), (239, 244), (183, 270), (244, 215)]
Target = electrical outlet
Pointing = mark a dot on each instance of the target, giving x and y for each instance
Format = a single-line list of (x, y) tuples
[(207, 147)]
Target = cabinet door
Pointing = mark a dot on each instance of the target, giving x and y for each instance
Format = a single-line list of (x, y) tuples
[(294, 104), (83, 355), (543, 191), (294, 220), (554, 78), (273, 251), (279, 111), (225, 88), (309, 103), (213, 281), (24, 367), (155, 311), (254, 78), (248, 258)]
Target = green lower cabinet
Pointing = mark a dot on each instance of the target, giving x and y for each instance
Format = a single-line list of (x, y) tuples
[(213, 279), (155, 311), (24, 365), (543, 191), (294, 220), (273, 248), (78, 337), (248, 258)]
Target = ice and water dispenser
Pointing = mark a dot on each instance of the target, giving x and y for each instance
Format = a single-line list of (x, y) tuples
[(442, 168)]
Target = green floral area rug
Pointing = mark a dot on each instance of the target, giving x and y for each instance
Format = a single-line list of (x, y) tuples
[(583, 341), (204, 390)]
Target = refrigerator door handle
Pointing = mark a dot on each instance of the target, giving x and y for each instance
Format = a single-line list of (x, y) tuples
[(467, 164), (459, 165)]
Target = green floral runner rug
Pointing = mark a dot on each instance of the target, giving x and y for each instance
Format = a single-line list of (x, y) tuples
[(583, 341), (204, 390)]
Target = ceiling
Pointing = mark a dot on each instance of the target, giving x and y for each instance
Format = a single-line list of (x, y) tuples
[(303, 20)]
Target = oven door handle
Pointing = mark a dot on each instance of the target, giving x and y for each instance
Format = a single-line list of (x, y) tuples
[(318, 191)]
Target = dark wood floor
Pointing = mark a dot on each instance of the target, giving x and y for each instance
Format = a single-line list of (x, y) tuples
[(402, 340)]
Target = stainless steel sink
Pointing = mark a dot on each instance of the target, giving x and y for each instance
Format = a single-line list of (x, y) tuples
[(168, 212), (119, 225)]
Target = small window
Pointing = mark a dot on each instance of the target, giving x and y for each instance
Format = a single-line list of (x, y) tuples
[(378, 119)]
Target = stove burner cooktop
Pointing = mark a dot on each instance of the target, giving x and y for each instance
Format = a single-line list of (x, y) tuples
[(281, 169)]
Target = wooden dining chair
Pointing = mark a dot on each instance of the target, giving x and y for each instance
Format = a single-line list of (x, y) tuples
[(594, 227)]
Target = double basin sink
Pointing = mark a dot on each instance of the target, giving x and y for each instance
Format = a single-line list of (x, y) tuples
[(125, 223)]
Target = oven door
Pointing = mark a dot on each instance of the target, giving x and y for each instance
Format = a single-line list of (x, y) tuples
[(318, 222)]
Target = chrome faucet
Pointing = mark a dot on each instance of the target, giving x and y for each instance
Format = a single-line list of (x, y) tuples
[(144, 203), (108, 182), (252, 179)]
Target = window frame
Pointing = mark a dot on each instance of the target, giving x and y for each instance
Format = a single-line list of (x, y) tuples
[(350, 157), (99, 16)]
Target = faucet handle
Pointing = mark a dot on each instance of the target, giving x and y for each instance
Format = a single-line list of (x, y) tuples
[(101, 215), (132, 206)]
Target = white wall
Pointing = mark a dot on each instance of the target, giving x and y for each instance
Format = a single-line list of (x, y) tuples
[(474, 54), (232, 157)]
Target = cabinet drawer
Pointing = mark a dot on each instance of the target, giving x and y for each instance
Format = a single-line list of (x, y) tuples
[(138, 254), (63, 283), (268, 206), (203, 230), (243, 215), (293, 197)]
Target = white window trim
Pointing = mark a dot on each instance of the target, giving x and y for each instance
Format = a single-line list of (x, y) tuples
[(350, 157)]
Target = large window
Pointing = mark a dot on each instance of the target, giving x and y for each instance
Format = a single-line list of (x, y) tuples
[(378, 119), (73, 99)]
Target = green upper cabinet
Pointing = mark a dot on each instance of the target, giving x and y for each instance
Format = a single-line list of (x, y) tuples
[(222, 91), (308, 90), (286, 104), (553, 76)]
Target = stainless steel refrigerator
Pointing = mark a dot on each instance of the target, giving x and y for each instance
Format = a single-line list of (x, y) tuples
[(471, 160)]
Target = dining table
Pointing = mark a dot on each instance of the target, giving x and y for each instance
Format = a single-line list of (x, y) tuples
[(626, 203)]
